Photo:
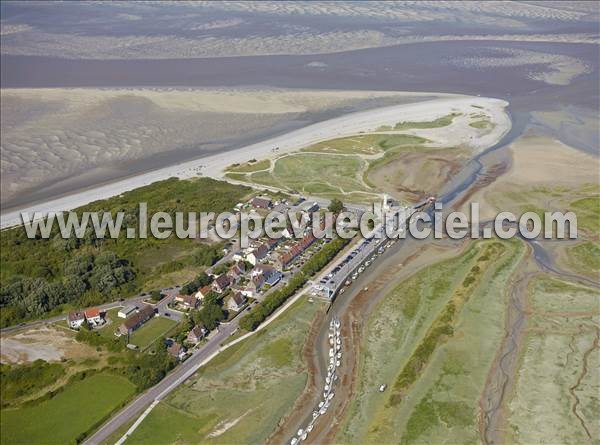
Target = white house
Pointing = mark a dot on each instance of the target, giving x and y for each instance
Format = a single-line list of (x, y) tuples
[(236, 302), (93, 317), (126, 311), (75, 319)]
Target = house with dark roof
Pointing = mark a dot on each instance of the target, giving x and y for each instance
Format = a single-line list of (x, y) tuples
[(136, 320), (197, 334), (76, 319), (261, 202), (177, 350), (258, 254), (221, 283), (236, 302), (236, 272), (270, 275)]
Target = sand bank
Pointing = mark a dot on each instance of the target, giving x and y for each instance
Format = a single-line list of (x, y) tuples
[(213, 165)]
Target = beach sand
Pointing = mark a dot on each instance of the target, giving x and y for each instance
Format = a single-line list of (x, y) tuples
[(352, 123)]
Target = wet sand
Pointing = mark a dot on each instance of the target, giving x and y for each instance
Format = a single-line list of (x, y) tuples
[(214, 165)]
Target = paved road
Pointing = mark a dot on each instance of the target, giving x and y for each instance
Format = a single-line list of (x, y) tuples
[(165, 386)]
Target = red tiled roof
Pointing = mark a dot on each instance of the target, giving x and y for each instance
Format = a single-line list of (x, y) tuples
[(91, 313)]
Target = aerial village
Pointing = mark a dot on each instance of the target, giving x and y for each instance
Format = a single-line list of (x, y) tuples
[(240, 279)]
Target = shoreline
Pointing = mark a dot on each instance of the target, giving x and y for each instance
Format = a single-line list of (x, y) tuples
[(214, 165)]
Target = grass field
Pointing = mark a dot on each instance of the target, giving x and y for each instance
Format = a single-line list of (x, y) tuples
[(443, 121), (559, 371), (481, 124), (368, 144), (250, 167), (63, 418), (438, 331), (331, 169), (242, 394), (331, 176), (150, 331)]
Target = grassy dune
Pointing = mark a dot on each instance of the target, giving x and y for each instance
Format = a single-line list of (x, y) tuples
[(242, 394), (443, 121), (438, 331)]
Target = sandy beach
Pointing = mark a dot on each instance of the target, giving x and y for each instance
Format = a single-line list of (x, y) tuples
[(352, 123)]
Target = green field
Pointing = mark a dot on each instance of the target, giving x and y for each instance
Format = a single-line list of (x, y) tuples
[(316, 174), (438, 331), (334, 168), (443, 121), (368, 144), (481, 124), (242, 394), (250, 167), (61, 419), (151, 331)]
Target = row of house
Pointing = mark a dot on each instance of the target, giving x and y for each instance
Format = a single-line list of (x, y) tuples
[(93, 317)]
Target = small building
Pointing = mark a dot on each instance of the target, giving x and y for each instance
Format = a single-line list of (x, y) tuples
[(76, 319), (254, 286), (136, 320), (261, 202), (177, 350), (258, 254), (187, 301), (270, 275), (221, 283), (236, 302), (236, 272), (203, 292), (93, 317), (197, 334), (126, 311)]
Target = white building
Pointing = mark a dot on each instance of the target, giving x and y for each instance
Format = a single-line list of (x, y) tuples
[(75, 319), (126, 311)]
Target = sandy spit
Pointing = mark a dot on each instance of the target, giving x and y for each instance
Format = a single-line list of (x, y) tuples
[(349, 124)]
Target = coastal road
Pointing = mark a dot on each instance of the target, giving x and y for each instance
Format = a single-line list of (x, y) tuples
[(165, 386), (138, 300), (194, 362)]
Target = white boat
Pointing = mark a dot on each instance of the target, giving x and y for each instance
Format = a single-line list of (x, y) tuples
[(300, 432), (327, 380), (294, 441), (315, 414), (322, 410), (321, 404), (337, 363), (326, 388), (310, 427), (331, 352), (304, 436), (330, 396), (337, 324), (339, 355)]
